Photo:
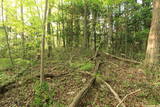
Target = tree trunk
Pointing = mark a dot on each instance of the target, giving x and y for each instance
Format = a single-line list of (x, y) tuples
[(77, 30), (58, 34), (110, 32), (86, 36), (49, 33), (126, 30), (94, 13), (153, 47), (43, 41), (6, 34), (63, 30), (22, 33)]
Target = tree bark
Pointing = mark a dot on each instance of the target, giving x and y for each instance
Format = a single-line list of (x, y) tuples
[(153, 47)]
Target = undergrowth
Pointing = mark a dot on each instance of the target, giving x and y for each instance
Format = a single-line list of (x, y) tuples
[(83, 66), (44, 96)]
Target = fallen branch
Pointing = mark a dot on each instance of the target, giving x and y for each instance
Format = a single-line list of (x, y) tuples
[(123, 59), (3, 87), (82, 93), (113, 92), (110, 88), (124, 98), (111, 63)]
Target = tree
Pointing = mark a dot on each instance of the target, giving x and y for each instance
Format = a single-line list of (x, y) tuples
[(22, 33), (153, 47), (43, 41), (86, 36), (6, 33)]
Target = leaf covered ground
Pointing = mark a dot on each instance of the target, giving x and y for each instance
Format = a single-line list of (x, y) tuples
[(63, 75)]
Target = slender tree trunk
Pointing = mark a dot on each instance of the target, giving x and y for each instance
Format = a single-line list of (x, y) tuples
[(57, 33), (72, 27), (49, 33), (126, 29), (77, 31), (6, 34), (110, 33), (22, 33), (153, 47), (63, 31), (43, 41), (94, 13), (86, 36)]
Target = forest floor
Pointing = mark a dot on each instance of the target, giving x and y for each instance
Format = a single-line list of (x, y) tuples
[(66, 75)]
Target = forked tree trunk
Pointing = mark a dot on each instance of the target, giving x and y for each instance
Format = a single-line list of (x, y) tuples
[(153, 47)]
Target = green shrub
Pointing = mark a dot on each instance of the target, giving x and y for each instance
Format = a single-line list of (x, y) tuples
[(87, 66), (43, 95), (84, 66), (76, 65), (21, 62)]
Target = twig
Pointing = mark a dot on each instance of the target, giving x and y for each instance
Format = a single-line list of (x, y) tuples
[(124, 98)]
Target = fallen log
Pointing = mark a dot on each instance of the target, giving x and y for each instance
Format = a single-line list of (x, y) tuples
[(122, 59), (82, 93), (51, 75), (14, 82), (110, 88), (3, 87)]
